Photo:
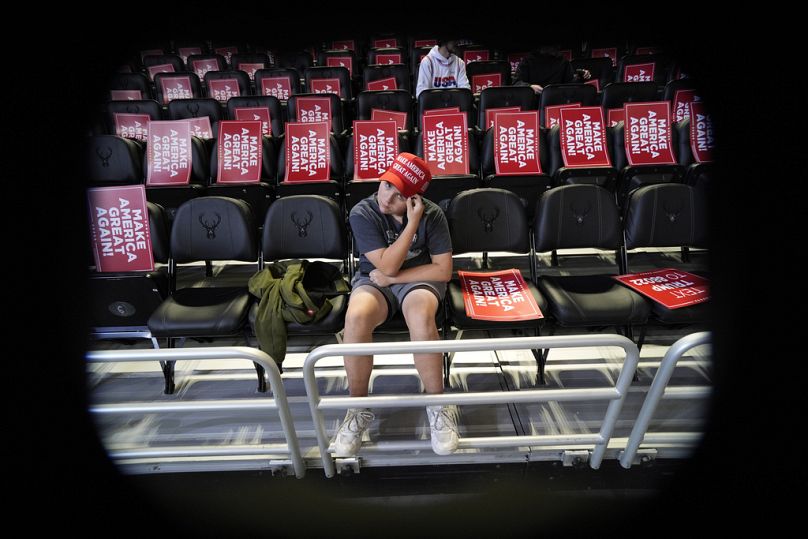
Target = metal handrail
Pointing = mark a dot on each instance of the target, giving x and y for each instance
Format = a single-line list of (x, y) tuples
[(658, 389), (614, 394), (279, 402)]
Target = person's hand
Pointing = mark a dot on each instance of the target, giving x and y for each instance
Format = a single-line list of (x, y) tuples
[(587, 74), (415, 208), (536, 88), (379, 278)]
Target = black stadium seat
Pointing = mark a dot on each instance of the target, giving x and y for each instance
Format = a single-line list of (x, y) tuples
[(398, 72), (172, 197), (240, 77), (663, 66), (504, 96), (601, 69), (161, 59), (503, 69), (563, 94), (323, 72), (132, 81), (297, 60), (253, 101), (183, 109), (395, 100), (113, 160), (323, 56), (603, 176), (149, 107), (616, 94), (196, 86), (338, 125), (436, 98), (698, 175), (374, 53), (290, 74), (249, 58)]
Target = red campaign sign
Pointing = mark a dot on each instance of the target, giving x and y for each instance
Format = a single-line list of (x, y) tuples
[(223, 89), (475, 56), (486, 80), (340, 61), (639, 73), (500, 296), (250, 69), (608, 53), (279, 87), (168, 153), (583, 138), (387, 59), (390, 115), (616, 116), (432, 112), (647, 133), (151, 52), (490, 114), (185, 52), (595, 83), (446, 143), (119, 229), (701, 133), (681, 104), (387, 43), (260, 114), (125, 95), (201, 67), (425, 43), (325, 86), (134, 126), (176, 88), (383, 84), (314, 110), (516, 143), (669, 287), (375, 148), (227, 52), (162, 68), (645, 50), (200, 127), (308, 158), (552, 114), (516, 59), (348, 45), (239, 151), (566, 54)]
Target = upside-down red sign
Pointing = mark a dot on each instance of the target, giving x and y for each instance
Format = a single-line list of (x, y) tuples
[(486, 80), (308, 156), (399, 117), (446, 146), (383, 84), (670, 287), (516, 143), (647, 134), (583, 138), (260, 114), (134, 126), (168, 153), (552, 114), (176, 88), (701, 133), (276, 87), (639, 73), (239, 151), (119, 228), (501, 296), (375, 148)]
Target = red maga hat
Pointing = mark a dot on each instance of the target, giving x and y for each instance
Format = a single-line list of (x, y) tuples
[(409, 173)]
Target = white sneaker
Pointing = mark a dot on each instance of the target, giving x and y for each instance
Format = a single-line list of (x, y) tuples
[(348, 439), (443, 426)]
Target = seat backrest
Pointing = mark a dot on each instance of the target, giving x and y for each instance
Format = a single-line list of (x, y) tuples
[(616, 94), (113, 160), (251, 101), (304, 226), (337, 164), (289, 73), (131, 81), (600, 68), (669, 94), (214, 228), (194, 62), (373, 54), (576, 216), (323, 56), (436, 98), (487, 157), (160, 59), (240, 76), (618, 145), (196, 87), (200, 161), (395, 100), (474, 154), (337, 123), (297, 60), (504, 96), (183, 48), (396, 71), (554, 148), (149, 107), (403, 146), (182, 109), (562, 94), (249, 58), (665, 215), (487, 220), (323, 72), (159, 232), (269, 160), (484, 68)]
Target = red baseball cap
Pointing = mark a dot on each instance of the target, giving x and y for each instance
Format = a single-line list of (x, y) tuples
[(409, 173)]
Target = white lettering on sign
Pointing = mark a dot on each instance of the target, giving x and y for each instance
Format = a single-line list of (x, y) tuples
[(276, 87), (517, 144), (445, 145), (584, 137), (315, 114), (649, 134), (134, 126), (376, 151), (170, 153), (121, 230), (704, 133), (496, 292), (308, 153), (240, 151), (224, 89), (176, 89)]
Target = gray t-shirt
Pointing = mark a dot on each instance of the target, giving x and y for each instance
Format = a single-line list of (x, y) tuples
[(374, 230)]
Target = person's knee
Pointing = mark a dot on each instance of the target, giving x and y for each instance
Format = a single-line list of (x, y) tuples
[(419, 311), (365, 312)]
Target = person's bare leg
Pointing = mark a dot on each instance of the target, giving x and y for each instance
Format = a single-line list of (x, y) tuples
[(367, 309), (419, 308)]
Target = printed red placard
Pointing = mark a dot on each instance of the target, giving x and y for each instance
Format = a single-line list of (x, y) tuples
[(346, 45), (223, 89), (125, 95), (200, 127), (681, 104), (701, 133), (647, 134), (227, 52), (308, 157), (639, 73), (340, 61), (445, 140), (176, 88), (616, 116), (552, 113), (119, 229), (250, 69), (669, 287), (168, 153), (446, 110), (583, 138), (185, 52), (608, 53), (491, 113), (260, 114), (313, 110), (399, 117), (324, 86), (134, 126), (487, 80), (201, 67), (383, 84), (516, 143), (388, 59), (425, 43), (279, 87), (239, 151), (645, 50), (476, 56), (501, 296), (162, 68), (387, 43), (375, 148)]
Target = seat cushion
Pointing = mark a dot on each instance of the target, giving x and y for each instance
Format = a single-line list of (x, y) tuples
[(596, 300), (457, 310), (201, 312), (332, 323)]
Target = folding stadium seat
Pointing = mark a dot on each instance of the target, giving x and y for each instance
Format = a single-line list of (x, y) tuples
[(170, 86), (398, 72), (616, 94), (471, 54), (661, 64), (343, 58), (504, 97), (341, 74), (387, 40), (227, 50), (209, 229), (250, 62), (669, 93), (202, 63), (601, 69), (356, 190), (668, 215), (154, 49), (443, 188), (183, 109), (222, 85), (387, 56), (338, 122), (145, 107), (253, 101), (564, 94), (163, 60), (297, 60), (186, 49), (279, 82), (604, 176), (488, 74), (113, 160), (575, 217), (306, 227), (698, 174), (392, 100), (439, 98), (485, 220), (331, 188), (131, 82)]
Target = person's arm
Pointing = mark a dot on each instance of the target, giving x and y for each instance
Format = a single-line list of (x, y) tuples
[(389, 259), (462, 78), (439, 270), (424, 76)]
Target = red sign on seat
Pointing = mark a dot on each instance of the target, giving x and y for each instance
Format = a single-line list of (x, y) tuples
[(475, 56), (375, 148), (125, 95), (223, 89), (501, 296), (487, 80), (616, 116), (647, 134), (639, 73), (250, 69), (200, 127), (388, 59), (701, 133), (347, 45), (279, 87), (669, 287), (201, 67), (308, 155), (491, 113), (185, 52), (552, 114), (383, 84), (168, 153), (516, 143), (446, 110), (340, 61), (387, 43), (681, 104), (608, 53), (176, 88), (239, 152), (314, 109), (399, 117), (119, 229), (583, 138), (162, 68), (446, 143), (134, 126), (595, 83), (324, 86), (260, 114)]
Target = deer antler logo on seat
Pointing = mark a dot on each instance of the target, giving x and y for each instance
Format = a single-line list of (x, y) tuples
[(672, 214), (301, 226), (193, 108), (104, 154), (579, 214), (488, 218), (210, 228)]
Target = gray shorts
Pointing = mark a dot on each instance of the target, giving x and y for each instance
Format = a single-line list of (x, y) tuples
[(394, 294)]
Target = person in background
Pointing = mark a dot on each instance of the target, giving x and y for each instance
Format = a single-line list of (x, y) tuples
[(442, 68), (544, 66)]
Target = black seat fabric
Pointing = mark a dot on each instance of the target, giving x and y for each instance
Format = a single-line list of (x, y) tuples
[(616, 94), (160, 78), (398, 72), (443, 98), (113, 160), (323, 72), (183, 109), (131, 81), (254, 101), (240, 77), (562, 94), (395, 100), (504, 96), (149, 107), (337, 123), (173, 60)]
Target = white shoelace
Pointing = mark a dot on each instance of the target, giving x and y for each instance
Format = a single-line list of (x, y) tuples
[(445, 419), (357, 421)]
